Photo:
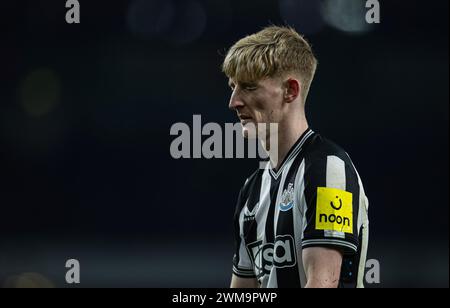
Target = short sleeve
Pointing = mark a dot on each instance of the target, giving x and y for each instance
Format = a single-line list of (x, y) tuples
[(332, 196)]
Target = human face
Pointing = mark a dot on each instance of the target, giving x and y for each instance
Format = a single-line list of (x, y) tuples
[(255, 103)]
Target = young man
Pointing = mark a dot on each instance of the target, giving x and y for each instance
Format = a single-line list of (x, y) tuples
[(302, 221)]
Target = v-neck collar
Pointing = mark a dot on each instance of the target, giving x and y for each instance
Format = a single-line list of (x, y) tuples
[(295, 149)]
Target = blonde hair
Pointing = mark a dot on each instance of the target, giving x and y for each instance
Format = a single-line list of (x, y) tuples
[(272, 52)]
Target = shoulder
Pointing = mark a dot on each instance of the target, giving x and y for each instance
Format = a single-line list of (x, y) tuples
[(320, 148), (249, 190), (322, 152), (327, 163), (251, 181)]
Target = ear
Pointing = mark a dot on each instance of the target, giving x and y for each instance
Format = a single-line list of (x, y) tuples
[(291, 89)]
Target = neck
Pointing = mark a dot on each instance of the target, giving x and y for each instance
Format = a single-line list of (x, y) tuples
[(288, 134)]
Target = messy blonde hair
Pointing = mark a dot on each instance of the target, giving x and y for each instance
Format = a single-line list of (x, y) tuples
[(272, 52)]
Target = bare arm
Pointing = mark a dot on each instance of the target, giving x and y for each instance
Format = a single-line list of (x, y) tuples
[(239, 282), (322, 267)]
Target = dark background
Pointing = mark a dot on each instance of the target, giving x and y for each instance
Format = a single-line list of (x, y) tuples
[(86, 109)]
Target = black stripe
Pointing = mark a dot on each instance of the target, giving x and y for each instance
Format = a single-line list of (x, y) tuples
[(250, 226), (288, 277), (350, 262), (270, 232), (352, 185), (249, 192), (314, 177)]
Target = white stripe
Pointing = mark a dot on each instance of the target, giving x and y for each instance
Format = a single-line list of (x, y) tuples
[(334, 234), (335, 173), (363, 204), (363, 256), (238, 271), (329, 241), (273, 281), (335, 178)]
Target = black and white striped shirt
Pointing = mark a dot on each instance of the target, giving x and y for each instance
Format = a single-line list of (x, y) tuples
[(316, 198)]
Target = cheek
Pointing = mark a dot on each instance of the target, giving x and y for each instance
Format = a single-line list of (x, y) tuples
[(269, 105), (264, 102)]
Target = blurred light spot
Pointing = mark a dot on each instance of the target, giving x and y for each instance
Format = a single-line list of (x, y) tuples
[(346, 15), (28, 280), (303, 15), (150, 18), (189, 22), (40, 92)]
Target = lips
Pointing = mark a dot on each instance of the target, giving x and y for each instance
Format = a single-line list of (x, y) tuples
[(243, 117), (245, 121)]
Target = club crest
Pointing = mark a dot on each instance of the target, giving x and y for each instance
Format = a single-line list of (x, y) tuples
[(287, 198)]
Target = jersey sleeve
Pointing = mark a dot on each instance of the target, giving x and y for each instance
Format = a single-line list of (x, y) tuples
[(242, 263), (331, 197)]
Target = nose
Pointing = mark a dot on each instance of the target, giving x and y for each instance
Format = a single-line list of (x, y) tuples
[(235, 101)]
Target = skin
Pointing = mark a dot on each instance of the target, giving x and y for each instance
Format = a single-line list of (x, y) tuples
[(279, 100), (271, 100)]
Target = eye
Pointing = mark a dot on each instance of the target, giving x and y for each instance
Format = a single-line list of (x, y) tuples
[(250, 88)]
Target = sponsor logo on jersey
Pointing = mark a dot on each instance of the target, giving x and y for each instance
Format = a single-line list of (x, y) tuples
[(280, 254), (287, 198), (334, 210)]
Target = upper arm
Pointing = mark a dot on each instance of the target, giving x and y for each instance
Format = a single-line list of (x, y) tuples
[(331, 205), (322, 267), (331, 219)]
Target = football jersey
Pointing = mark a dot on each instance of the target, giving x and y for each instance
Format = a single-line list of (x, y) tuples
[(314, 199)]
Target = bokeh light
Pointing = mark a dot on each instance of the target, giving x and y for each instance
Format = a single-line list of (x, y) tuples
[(28, 280), (346, 15)]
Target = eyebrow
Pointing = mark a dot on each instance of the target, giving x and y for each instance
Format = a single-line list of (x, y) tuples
[(242, 84), (248, 84)]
